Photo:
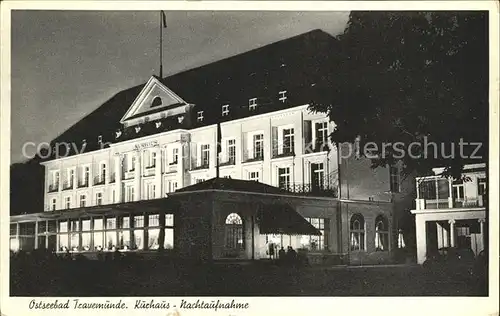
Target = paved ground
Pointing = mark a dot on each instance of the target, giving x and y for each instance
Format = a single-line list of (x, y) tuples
[(152, 279)]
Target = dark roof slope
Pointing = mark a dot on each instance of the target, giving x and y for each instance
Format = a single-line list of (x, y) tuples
[(294, 64), (233, 185)]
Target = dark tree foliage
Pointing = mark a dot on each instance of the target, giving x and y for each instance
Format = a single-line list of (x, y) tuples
[(409, 77)]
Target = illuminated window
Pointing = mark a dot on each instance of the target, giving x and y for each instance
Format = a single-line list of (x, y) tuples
[(234, 232), (381, 233), (357, 228), (316, 242), (200, 116)]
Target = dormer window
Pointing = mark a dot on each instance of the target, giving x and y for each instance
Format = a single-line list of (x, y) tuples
[(252, 104), (282, 96), (225, 110), (99, 139), (156, 102), (157, 124), (200, 116), (180, 119), (137, 129)]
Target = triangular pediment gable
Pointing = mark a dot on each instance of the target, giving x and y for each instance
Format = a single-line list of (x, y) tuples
[(155, 99)]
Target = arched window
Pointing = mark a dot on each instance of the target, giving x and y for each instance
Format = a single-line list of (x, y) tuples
[(234, 232), (381, 233), (156, 102), (357, 228)]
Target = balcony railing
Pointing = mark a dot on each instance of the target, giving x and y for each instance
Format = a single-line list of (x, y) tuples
[(200, 166), (435, 193), (251, 156), (285, 153), (99, 180), (325, 190), (83, 184), (229, 162), (67, 186), (53, 187)]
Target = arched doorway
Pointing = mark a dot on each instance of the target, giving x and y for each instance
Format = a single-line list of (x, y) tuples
[(234, 235)]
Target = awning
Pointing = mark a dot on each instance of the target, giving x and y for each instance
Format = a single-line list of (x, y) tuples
[(283, 219)]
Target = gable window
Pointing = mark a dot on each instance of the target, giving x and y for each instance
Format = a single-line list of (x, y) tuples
[(288, 141), (231, 151), (253, 176), (83, 200), (258, 146), (98, 198), (357, 228), (225, 110), (284, 178), (282, 96), (200, 116), (395, 179), (252, 104), (156, 102), (205, 155)]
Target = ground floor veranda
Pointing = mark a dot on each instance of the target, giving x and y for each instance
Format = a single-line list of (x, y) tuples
[(460, 228), (216, 226)]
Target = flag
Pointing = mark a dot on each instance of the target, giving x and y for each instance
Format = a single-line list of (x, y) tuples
[(219, 139), (163, 19)]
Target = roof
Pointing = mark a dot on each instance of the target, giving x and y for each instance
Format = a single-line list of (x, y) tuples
[(229, 184), (295, 64)]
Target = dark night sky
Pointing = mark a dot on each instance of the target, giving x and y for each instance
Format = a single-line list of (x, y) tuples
[(66, 63)]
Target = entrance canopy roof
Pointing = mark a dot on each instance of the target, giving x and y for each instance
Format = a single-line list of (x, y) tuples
[(283, 219)]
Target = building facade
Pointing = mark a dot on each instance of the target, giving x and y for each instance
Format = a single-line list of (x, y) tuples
[(244, 118), (451, 212)]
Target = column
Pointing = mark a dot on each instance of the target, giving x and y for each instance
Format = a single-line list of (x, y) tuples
[(47, 234), (481, 229), (118, 178), (137, 176), (180, 165), (36, 233), (450, 195), (452, 232), (421, 239), (158, 178)]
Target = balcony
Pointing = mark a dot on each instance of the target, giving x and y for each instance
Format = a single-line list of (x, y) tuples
[(53, 187), (252, 156), (201, 166), (230, 162), (149, 171), (99, 180), (308, 189), (439, 193), (83, 184), (67, 186)]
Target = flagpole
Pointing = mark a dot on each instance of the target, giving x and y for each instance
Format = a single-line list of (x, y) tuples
[(161, 45), (219, 132)]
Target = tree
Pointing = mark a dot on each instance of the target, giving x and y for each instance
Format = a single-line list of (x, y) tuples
[(412, 77)]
